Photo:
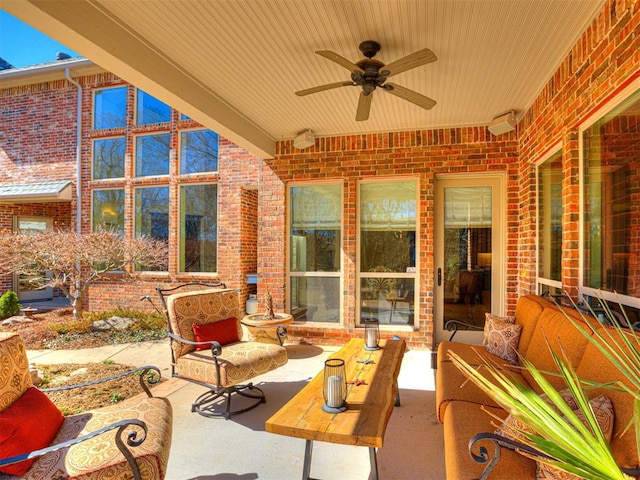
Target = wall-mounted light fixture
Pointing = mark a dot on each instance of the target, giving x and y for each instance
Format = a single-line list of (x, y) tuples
[(304, 140), (503, 123)]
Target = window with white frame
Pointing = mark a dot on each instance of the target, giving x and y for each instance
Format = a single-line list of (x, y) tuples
[(110, 108), (152, 214), (108, 158), (610, 181), (198, 151), (153, 154), (315, 236), (108, 210), (150, 110), (198, 228), (549, 197), (388, 251)]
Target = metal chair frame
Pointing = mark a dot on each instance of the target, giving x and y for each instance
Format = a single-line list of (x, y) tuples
[(206, 403)]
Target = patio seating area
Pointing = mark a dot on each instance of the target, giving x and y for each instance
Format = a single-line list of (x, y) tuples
[(215, 449)]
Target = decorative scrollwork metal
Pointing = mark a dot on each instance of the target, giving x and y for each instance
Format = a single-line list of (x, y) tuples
[(452, 325), (147, 375), (133, 440)]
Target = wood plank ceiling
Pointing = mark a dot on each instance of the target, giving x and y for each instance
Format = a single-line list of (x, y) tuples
[(250, 56)]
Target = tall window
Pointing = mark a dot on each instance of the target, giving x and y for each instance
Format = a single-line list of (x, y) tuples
[(110, 108), (314, 252), (611, 208), (550, 225), (198, 228), (152, 214), (108, 210), (388, 222), (108, 158), (153, 154), (150, 110), (198, 151)]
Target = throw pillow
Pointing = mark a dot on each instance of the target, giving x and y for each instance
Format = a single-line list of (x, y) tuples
[(512, 428), (503, 339), (603, 410), (490, 316), (223, 331), (30, 423)]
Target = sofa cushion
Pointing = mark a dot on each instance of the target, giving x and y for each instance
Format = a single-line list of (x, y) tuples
[(99, 457), (603, 411), (223, 331), (528, 310), (553, 331), (30, 423), (461, 422), (15, 378), (502, 340), (593, 366)]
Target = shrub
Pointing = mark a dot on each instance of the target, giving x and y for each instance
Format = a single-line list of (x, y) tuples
[(9, 304)]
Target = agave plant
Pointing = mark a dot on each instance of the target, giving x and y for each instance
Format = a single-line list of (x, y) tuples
[(558, 436)]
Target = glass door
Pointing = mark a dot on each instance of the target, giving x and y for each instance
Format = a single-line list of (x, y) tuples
[(28, 286), (469, 255)]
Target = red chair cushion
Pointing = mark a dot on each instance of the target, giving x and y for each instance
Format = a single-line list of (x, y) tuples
[(223, 331), (30, 423)]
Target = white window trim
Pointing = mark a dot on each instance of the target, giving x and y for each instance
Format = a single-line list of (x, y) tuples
[(584, 125)]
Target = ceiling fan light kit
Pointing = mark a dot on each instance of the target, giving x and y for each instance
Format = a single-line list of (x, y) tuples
[(503, 123), (304, 140), (370, 74)]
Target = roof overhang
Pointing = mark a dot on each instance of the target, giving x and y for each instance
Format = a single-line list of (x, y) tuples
[(36, 192), (48, 72)]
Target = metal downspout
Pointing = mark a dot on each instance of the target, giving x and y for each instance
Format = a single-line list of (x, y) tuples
[(78, 173), (78, 151)]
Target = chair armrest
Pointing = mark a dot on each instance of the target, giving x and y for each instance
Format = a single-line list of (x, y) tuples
[(216, 348), (452, 326), (495, 442), (146, 375), (132, 440)]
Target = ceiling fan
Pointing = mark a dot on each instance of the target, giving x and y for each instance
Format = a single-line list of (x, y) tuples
[(370, 74)]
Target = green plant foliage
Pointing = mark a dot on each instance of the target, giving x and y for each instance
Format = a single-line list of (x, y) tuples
[(9, 304)]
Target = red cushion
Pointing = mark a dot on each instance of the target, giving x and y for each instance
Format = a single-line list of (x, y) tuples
[(30, 423), (223, 331)]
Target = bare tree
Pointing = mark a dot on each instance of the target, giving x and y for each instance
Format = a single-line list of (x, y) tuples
[(75, 261)]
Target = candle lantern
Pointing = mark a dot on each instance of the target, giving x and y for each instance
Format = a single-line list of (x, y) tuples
[(334, 388), (371, 334)]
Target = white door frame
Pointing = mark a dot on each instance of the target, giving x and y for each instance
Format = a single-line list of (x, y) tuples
[(497, 181)]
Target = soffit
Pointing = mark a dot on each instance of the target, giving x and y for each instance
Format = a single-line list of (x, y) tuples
[(235, 65)]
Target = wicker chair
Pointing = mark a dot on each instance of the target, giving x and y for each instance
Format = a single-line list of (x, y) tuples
[(207, 348)]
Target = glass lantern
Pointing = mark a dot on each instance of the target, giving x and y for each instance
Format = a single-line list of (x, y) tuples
[(371, 334), (334, 387)]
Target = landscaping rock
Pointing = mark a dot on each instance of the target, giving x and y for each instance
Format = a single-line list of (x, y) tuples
[(112, 323), (16, 319)]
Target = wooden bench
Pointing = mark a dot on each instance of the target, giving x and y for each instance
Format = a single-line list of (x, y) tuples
[(371, 400)]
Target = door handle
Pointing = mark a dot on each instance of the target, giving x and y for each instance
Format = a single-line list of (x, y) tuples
[(439, 276)]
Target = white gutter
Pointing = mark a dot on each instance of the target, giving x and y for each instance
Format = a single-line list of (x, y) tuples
[(78, 151), (45, 68)]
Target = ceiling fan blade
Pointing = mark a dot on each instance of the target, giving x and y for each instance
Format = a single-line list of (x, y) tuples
[(322, 88), (413, 60), (340, 60), (410, 96), (364, 106)]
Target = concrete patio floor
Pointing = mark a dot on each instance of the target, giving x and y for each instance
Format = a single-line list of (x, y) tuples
[(240, 449)]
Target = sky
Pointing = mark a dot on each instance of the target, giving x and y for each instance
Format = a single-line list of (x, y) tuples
[(21, 45)]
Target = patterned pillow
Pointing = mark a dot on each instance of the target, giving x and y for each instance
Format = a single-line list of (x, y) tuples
[(513, 428), (503, 339), (491, 316), (603, 411)]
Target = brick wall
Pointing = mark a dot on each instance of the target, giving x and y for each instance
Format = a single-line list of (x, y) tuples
[(421, 154), (604, 60)]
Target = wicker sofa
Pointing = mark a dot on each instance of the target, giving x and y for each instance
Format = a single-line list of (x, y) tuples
[(94, 444), (461, 405)]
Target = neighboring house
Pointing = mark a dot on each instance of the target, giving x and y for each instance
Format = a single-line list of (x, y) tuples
[(413, 228), (141, 168)]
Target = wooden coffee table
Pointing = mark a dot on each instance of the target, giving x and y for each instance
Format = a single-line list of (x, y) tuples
[(370, 403)]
